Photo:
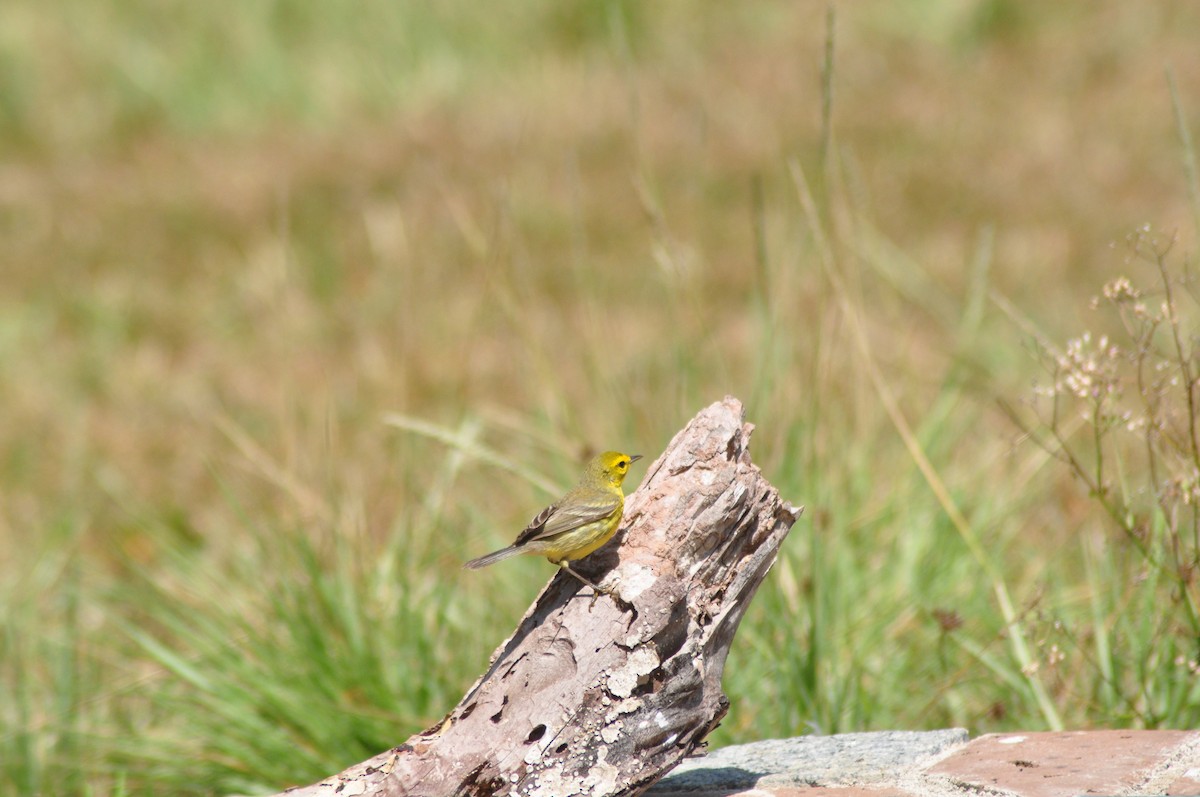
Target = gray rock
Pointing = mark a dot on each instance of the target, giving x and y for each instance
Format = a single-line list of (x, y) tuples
[(811, 760)]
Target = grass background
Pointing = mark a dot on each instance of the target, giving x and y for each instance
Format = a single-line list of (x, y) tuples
[(304, 304)]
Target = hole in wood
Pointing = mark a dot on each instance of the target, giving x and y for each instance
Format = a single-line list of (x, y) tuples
[(537, 733), (499, 714)]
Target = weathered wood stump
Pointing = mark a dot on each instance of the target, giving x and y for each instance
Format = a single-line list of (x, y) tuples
[(605, 697)]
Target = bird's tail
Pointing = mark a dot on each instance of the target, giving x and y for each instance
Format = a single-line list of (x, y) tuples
[(493, 557)]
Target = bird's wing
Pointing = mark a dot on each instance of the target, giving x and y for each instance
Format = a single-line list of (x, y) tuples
[(556, 519)]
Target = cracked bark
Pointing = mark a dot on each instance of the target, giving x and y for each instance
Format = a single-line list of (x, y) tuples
[(605, 698)]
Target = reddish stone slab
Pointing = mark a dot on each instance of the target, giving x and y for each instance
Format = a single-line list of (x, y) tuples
[(1060, 764)]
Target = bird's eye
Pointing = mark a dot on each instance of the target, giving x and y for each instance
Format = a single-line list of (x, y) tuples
[(622, 464)]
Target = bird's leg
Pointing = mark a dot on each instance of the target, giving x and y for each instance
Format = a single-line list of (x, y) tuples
[(596, 588)]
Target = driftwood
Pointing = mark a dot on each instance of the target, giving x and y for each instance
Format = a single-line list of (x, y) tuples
[(605, 697)]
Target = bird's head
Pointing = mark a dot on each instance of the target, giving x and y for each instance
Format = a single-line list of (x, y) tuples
[(611, 467)]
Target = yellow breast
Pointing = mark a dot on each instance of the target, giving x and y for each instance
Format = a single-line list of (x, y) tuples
[(578, 543)]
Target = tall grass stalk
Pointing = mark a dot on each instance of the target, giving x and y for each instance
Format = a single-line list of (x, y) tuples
[(921, 460)]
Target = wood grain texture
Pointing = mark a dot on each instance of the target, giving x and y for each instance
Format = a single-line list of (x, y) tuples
[(605, 697)]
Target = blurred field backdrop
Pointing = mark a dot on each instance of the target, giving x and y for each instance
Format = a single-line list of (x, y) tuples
[(306, 303)]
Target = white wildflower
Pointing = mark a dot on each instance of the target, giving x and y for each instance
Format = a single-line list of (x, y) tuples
[(1121, 290)]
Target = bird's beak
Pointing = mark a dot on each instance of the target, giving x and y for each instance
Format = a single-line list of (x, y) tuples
[(634, 458)]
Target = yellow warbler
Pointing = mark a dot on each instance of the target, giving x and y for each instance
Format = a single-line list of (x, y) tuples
[(579, 522)]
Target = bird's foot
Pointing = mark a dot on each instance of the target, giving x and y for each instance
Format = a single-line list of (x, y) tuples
[(597, 590)]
